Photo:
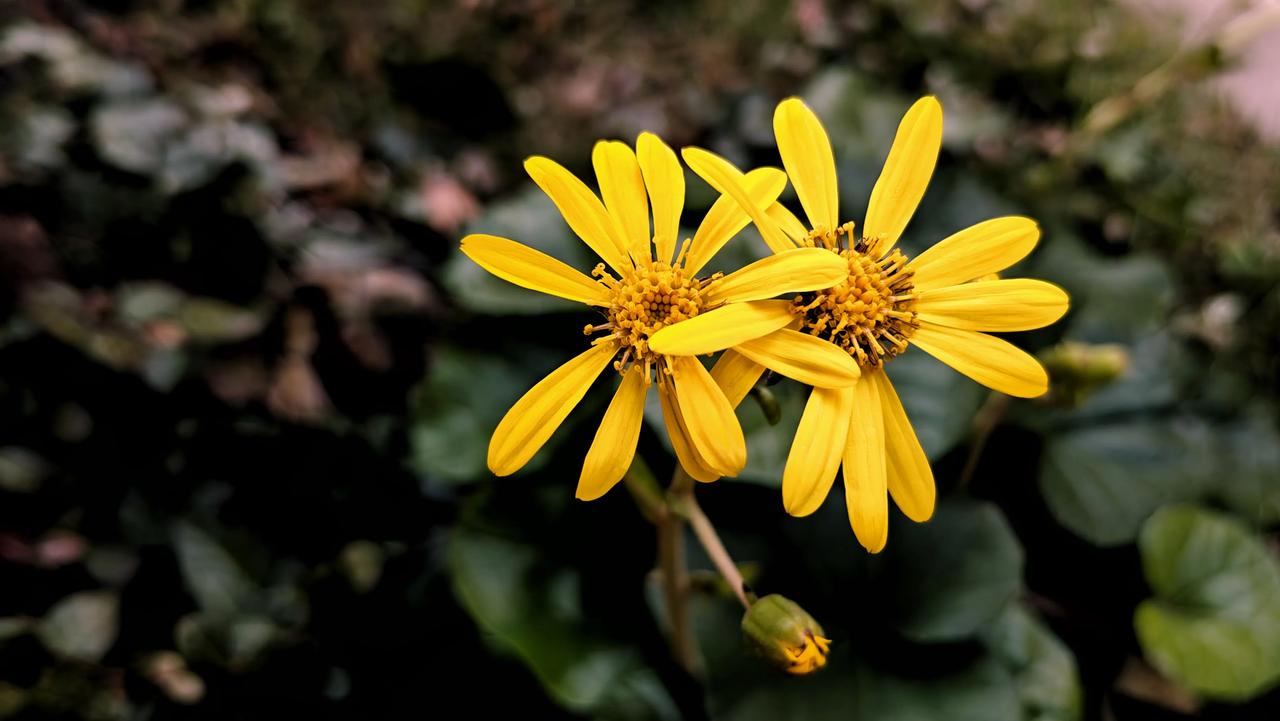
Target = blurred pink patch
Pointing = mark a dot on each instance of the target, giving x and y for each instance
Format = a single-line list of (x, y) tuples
[(446, 203), (239, 380), (59, 548)]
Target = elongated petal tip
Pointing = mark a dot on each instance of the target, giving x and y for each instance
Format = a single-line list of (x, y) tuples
[(876, 544), (905, 174), (810, 163), (498, 466)]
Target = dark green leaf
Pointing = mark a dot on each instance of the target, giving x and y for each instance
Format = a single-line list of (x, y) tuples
[(460, 404), (1043, 668), (939, 401), (947, 578), (533, 611), (213, 576), (1102, 482), (1112, 299), (1250, 480)]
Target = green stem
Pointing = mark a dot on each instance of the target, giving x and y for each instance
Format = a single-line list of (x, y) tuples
[(673, 569), (644, 488), (984, 422), (685, 503), (669, 512)]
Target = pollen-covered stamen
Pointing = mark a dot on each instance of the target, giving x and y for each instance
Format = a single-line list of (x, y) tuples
[(645, 300), (872, 313), (821, 237)]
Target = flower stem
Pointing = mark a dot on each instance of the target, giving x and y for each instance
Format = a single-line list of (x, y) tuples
[(675, 581), (984, 422), (669, 513), (685, 503), (644, 488)]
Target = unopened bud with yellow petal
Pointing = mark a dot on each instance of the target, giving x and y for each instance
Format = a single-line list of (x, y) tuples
[(785, 634)]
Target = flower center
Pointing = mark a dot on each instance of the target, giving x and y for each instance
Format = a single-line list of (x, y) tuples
[(645, 300), (872, 313)]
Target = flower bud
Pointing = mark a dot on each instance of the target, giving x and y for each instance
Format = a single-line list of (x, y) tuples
[(768, 403), (1080, 369), (785, 635)]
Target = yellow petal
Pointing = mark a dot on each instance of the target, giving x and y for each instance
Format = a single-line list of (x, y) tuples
[(538, 413), (994, 305), (906, 173), (865, 491), (790, 271), (803, 357), (678, 432), (816, 450), (664, 179), (910, 477), (806, 154), (622, 187), (726, 217), (581, 209), (615, 442), (788, 222), (518, 263), (979, 250), (995, 363), (721, 175), (708, 417), (722, 328), (736, 374)]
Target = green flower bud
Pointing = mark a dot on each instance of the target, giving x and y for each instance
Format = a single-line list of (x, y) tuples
[(784, 634), (1080, 369)]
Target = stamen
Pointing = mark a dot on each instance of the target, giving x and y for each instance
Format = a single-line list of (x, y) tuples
[(684, 251), (645, 299), (621, 365), (871, 313)]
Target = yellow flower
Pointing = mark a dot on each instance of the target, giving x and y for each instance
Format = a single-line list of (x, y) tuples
[(640, 288), (940, 301)]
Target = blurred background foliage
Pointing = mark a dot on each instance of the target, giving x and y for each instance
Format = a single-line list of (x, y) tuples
[(247, 382)]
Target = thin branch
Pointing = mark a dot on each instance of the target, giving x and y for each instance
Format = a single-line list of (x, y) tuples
[(686, 504), (984, 422), (644, 488), (675, 581)]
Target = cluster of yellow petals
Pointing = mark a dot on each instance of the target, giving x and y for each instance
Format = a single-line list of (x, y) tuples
[(810, 656), (643, 293), (861, 303), (941, 300)]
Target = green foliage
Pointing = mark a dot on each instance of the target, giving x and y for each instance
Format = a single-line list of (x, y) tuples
[(946, 591), (535, 612), (1044, 671), (1214, 623), (1103, 482)]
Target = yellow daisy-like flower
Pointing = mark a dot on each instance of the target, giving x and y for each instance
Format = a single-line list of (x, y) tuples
[(640, 288), (940, 301)]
